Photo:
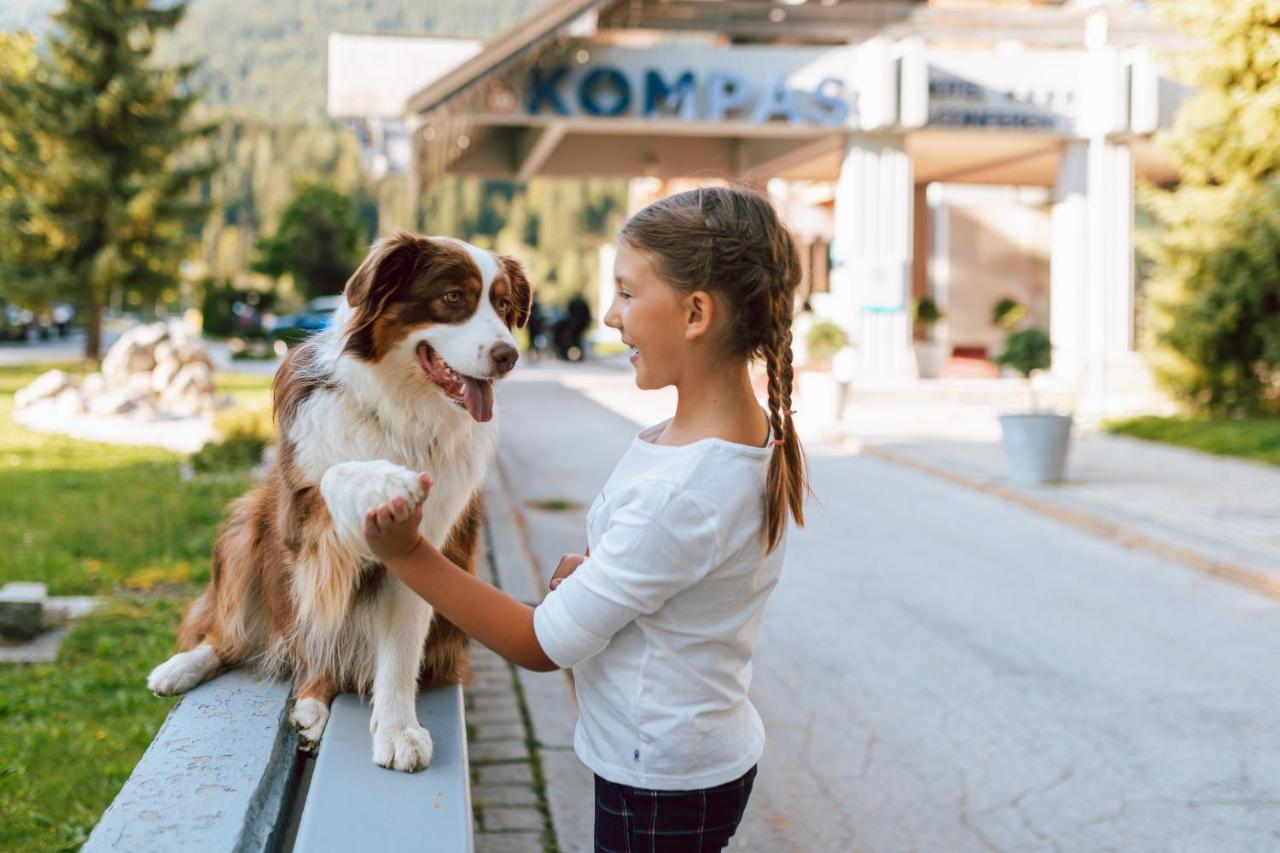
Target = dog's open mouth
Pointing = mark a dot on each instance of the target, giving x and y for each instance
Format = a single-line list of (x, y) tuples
[(474, 395)]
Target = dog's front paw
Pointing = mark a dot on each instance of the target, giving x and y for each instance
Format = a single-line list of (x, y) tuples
[(350, 489), (309, 717), (405, 748), (183, 671)]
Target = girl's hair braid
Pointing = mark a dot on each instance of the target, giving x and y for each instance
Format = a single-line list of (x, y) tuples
[(730, 240)]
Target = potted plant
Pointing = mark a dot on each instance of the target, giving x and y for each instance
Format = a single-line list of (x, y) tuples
[(1035, 444), (825, 343), (929, 351), (1008, 314)]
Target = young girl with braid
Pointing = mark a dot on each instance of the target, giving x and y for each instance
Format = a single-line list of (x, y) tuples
[(658, 619)]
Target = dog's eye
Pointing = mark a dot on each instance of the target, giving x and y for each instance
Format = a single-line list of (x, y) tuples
[(504, 304), (453, 297)]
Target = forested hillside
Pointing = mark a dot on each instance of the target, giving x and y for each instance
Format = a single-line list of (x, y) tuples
[(263, 70), (267, 60)]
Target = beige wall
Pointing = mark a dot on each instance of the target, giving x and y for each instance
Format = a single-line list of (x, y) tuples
[(996, 250)]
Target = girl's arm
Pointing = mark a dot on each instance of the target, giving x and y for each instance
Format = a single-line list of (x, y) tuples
[(481, 611)]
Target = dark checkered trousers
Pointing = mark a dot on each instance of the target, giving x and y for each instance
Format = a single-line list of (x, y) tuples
[(640, 820)]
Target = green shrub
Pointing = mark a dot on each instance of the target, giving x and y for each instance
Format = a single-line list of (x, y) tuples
[(824, 340), (1026, 352), (927, 312), (1008, 313)]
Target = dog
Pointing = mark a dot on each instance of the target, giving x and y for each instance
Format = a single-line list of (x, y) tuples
[(401, 381)]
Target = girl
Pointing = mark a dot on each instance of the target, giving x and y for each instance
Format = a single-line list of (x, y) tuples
[(658, 619)]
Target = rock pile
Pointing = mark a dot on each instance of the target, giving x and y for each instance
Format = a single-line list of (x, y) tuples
[(154, 371)]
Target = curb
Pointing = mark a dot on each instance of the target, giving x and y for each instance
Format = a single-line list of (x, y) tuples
[(1224, 570), (548, 698)]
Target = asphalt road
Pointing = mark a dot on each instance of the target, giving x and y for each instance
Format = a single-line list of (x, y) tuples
[(941, 671)]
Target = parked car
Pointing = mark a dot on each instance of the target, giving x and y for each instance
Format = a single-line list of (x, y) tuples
[(21, 324), (290, 329)]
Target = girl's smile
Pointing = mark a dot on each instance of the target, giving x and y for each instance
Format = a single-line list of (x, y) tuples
[(649, 313)]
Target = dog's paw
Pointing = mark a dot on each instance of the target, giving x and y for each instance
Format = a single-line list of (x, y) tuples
[(405, 748), (183, 671), (350, 489), (309, 717)]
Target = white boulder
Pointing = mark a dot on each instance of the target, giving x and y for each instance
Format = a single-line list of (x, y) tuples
[(46, 386), (190, 392)]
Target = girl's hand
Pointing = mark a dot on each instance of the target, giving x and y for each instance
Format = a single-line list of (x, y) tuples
[(391, 529), (568, 563)]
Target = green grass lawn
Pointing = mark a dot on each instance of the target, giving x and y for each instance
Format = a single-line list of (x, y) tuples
[(1257, 438), (136, 525)]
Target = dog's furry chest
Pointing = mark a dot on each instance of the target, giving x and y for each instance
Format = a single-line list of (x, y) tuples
[(333, 428)]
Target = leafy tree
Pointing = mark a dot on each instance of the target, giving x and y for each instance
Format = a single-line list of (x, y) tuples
[(1215, 250), (318, 242), (554, 226), (103, 180)]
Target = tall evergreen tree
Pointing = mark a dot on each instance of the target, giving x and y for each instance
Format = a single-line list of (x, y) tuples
[(1215, 276), (109, 197), (21, 253)]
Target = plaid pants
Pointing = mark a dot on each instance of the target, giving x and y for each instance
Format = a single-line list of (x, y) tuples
[(639, 820)]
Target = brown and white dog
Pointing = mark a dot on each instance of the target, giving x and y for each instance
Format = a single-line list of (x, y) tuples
[(401, 381)]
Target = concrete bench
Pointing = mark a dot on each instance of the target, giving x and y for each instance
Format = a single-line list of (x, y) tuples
[(225, 773)]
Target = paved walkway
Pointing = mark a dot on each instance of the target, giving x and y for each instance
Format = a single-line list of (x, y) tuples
[(971, 677), (507, 792), (1216, 514)]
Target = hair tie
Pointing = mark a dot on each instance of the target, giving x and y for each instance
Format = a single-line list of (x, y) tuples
[(779, 441)]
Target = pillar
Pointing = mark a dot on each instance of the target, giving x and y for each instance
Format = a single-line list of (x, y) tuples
[(1091, 268), (871, 256)]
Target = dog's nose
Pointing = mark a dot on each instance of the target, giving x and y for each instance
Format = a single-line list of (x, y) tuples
[(504, 358)]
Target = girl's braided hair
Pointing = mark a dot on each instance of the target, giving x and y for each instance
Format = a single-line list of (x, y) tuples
[(730, 241)]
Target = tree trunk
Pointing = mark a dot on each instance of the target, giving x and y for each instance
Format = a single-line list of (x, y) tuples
[(93, 326)]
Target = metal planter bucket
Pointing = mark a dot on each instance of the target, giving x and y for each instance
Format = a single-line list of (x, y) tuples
[(1036, 447)]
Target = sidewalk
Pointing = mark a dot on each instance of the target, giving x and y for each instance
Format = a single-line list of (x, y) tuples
[(1217, 514), (924, 686)]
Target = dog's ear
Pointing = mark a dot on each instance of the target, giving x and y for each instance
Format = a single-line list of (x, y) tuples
[(521, 292), (388, 264)]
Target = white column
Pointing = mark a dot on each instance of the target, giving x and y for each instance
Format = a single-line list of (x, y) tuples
[(940, 259), (1067, 275), (870, 277), (1091, 268)]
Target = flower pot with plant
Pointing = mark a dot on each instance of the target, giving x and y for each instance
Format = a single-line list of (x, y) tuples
[(1035, 444), (825, 342), (929, 350), (1008, 314)]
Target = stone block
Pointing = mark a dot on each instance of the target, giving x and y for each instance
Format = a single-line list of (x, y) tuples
[(487, 752), (21, 619), (509, 842), (504, 795), (504, 774), (512, 818)]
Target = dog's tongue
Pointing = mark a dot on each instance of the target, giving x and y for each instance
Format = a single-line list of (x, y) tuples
[(477, 394)]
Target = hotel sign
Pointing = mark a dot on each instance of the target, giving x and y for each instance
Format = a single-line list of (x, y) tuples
[(985, 90), (799, 86)]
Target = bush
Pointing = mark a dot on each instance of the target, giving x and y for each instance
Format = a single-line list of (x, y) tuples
[(824, 340), (927, 312), (1007, 313), (1026, 352)]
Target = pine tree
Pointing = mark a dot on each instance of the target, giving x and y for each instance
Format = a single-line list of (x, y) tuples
[(1215, 251), (22, 255), (109, 198)]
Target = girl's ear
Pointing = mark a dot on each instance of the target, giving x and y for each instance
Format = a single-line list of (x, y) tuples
[(699, 312)]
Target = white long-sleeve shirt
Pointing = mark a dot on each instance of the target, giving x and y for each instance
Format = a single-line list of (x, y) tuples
[(659, 623)]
